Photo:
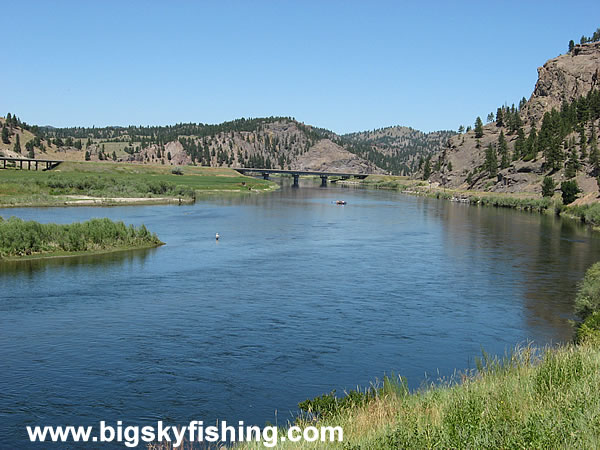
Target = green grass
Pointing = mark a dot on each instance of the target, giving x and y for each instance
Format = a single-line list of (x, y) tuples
[(529, 399), (106, 180), (20, 239)]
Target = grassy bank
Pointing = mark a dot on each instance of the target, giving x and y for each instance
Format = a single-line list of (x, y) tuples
[(526, 400), (88, 183), (531, 398), (26, 240)]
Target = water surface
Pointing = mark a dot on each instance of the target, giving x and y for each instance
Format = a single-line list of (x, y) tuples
[(299, 297)]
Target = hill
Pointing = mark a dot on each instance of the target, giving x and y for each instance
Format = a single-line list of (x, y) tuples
[(553, 134), (272, 142)]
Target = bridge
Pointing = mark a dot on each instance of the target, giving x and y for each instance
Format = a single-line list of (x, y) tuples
[(296, 174), (50, 163)]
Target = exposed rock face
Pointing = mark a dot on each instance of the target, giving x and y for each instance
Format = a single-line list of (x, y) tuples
[(564, 78), (328, 156)]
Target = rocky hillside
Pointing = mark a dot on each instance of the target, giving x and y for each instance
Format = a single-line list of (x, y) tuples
[(273, 142), (553, 134)]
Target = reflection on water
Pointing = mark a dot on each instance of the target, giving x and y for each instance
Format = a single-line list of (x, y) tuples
[(299, 297), (29, 267)]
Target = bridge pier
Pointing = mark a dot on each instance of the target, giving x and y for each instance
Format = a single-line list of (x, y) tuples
[(265, 176), (296, 180), (323, 180), (21, 164)]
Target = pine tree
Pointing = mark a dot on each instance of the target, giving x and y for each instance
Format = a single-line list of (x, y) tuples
[(519, 144), (569, 189), (572, 165), (503, 150), (491, 161), (499, 117), (17, 146), (427, 169), (571, 45), (531, 145), (5, 135), (548, 187), (478, 128)]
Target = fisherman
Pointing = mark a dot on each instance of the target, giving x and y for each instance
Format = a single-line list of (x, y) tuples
[(217, 236)]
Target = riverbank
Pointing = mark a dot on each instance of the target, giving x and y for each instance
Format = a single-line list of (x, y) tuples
[(529, 399), (21, 240), (113, 184), (588, 213)]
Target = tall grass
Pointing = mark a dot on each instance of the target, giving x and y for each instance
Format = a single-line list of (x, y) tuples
[(21, 238), (530, 399)]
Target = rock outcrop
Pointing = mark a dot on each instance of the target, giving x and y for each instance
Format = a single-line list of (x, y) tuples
[(564, 78)]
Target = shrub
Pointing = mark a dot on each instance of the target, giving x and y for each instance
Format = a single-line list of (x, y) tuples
[(19, 238), (569, 189), (548, 187)]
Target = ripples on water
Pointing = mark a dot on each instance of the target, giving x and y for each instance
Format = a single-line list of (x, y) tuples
[(299, 297)]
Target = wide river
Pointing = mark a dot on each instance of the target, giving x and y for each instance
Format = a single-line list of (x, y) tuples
[(299, 297)]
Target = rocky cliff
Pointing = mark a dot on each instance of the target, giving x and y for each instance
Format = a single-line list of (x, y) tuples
[(562, 84)]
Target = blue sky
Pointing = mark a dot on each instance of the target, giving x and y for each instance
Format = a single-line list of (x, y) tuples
[(342, 65)]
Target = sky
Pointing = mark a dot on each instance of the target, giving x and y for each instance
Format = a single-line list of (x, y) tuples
[(341, 65)]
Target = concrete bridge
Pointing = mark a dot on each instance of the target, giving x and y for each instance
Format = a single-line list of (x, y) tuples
[(296, 174), (50, 163)]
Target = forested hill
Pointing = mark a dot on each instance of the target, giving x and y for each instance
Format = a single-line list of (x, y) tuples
[(272, 142), (403, 145), (550, 139)]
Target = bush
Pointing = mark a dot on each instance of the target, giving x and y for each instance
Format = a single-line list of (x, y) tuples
[(587, 300), (20, 238), (588, 332), (548, 187), (177, 171), (569, 189)]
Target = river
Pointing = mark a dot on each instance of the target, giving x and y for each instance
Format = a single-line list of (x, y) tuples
[(298, 297)]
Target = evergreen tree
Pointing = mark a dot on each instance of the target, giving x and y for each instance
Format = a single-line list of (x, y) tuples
[(594, 153), (503, 149), (499, 117), (571, 45), (31, 153), (548, 187), (519, 145), (427, 169), (572, 165), (478, 128), (461, 129), (569, 189), (491, 161), (17, 146), (531, 145), (5, 135), (490, 117)]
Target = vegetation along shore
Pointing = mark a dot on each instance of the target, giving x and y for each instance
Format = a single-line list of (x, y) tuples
[(531, 398), (21, 239), (103, 183), (561, 202)]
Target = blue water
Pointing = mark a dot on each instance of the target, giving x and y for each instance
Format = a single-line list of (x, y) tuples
[(299, 297)]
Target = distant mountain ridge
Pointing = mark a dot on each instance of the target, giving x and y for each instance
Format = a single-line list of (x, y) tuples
[(271, 142)]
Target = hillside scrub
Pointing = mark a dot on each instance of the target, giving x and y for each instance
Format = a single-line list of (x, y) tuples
[(20, 238)]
